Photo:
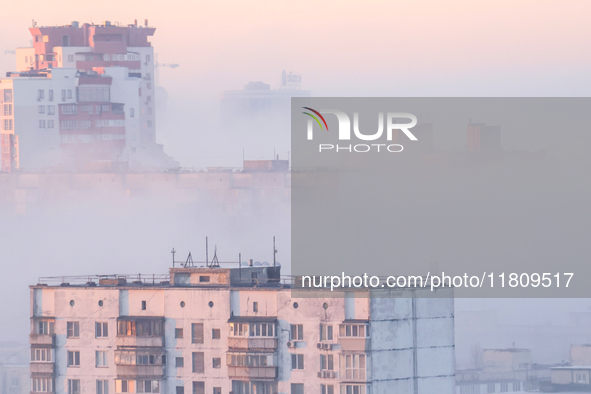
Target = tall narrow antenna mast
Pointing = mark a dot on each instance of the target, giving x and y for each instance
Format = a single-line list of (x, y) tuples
[(173, 252), (274, 253), (206, 253)]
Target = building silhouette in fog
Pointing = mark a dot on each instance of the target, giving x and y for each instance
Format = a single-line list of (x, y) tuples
[(82, 97), (483, 138)]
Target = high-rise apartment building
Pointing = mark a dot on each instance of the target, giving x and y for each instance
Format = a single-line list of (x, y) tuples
[(234, 330), (82, 97)]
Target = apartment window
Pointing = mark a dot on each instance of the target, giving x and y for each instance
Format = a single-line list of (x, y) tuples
[(179, 362), (504, 387), (246, 360), (326, 389), (216, 362), (197, 332), (124, 386), (50, 94), (150, 113), (73, 329), (198, 387), (101, 358), (352, 366), (41, 109), (42, 385), (131, 112), (178, 332), (490, 388), (352, 389), (41, 123), (40, 94), (7, 109), (45, 327), (70, 58), (50, 124), (261, 330), (73, 386), (180, 390), (69, 109), (215, 333), (326, 362), (69, 124), (297, 332), (85, 124), (41, 355), (148, 386), (217, 390), (297, 361), (204, 279), (51, 110), (517, 385), (102, 387), (255, 306), (297, 388), (325, 332), (73, 358), (354, 330), (69, 93), (7, 124), (198, 362), (147, 58), (144, 305), (101, 329), (7, 95)]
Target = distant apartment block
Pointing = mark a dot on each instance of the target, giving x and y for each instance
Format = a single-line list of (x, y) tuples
[(484, 138), (82, 97), (206, 329)]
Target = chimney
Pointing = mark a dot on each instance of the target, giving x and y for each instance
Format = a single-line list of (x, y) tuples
[(146, 22), (250, 263), (135, 22)]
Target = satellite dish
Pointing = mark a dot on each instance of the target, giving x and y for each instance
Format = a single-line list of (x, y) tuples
[(265, 264), (257, 264)]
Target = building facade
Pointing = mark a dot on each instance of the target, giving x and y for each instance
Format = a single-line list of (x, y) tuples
[(82, 95), (239, 330)]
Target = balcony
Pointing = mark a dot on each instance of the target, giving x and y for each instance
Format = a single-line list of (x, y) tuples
[(140, 371), (134, 341), (44, 340), (252, 343), (353, 344), (41, 369), (252, 372)]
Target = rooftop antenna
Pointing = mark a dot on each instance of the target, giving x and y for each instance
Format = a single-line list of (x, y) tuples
[(189, 261), (240, 267), (214, 261), (173, 252), (274, 253), (206, 253)]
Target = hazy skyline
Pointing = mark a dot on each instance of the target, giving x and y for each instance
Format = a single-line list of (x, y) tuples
[(378, 48)]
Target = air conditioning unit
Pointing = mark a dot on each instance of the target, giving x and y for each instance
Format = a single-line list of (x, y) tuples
[(290, 344), (319, 374), (319, 345), (330, 374), (325, 346), (332, 346)]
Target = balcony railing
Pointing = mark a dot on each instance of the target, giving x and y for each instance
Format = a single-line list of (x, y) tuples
[(140, 371), (42, 339), (252, 372), (134, 341), (252, 343), (354, 344), (41, 368)]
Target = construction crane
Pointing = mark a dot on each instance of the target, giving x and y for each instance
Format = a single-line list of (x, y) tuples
[(157, 66)]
